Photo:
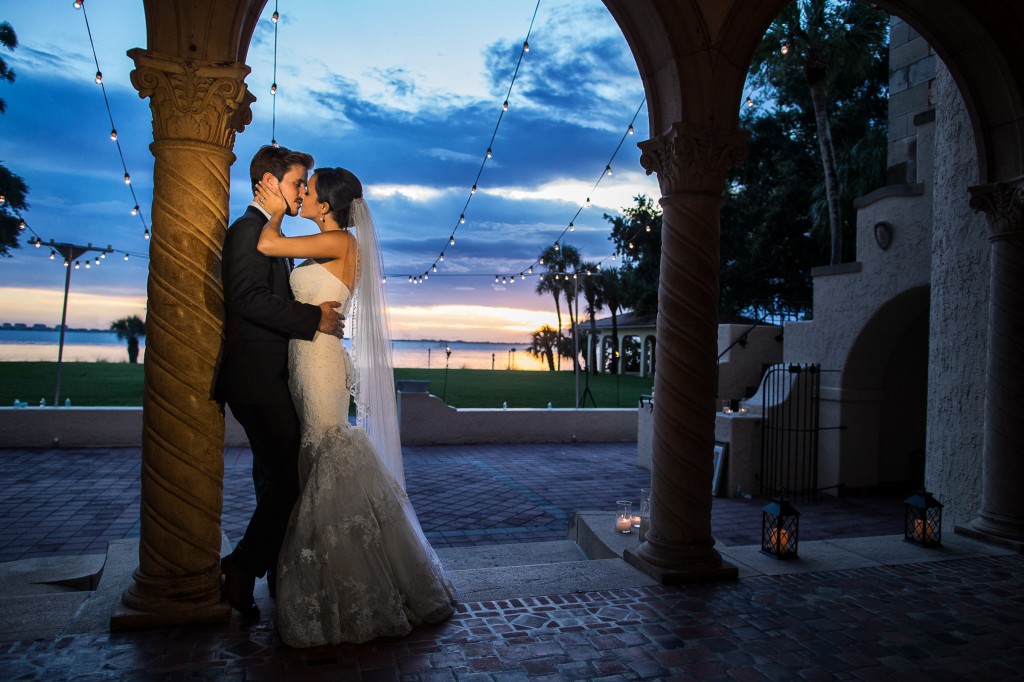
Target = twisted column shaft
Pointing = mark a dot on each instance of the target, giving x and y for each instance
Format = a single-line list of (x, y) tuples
[(196, 110), (1002, 506), (691, 164)]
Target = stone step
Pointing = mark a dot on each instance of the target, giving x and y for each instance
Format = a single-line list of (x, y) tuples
[(536, 580), (516, 554)]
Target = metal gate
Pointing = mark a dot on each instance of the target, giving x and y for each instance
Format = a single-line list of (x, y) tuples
[(789, 431)]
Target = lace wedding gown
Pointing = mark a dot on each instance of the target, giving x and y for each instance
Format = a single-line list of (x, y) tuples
[(354, 564)]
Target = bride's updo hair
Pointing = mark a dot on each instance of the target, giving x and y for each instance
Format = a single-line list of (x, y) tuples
[(339, 188)]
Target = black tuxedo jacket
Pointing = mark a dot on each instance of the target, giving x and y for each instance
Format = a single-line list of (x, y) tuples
[(260, 317)]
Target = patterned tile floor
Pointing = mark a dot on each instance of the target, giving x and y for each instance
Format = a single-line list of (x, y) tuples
[(953, 620)]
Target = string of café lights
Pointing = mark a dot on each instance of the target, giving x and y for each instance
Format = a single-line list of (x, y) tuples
[(511, 278), (65, 248)]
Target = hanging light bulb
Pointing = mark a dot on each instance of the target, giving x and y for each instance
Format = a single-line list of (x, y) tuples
[(526, 46), (39, 242), (597, 266), (2, 199), (441, 259), (462, 218), (97, 261), (426, 275), (451, 240), (135, 209), (66, 263), (472, 190), (53, 254), (434, 268), (608, 169), (78, 4), (113, 134), (557, 247), (146, 234), (541, 261), (503, 280), (274, 17), (77, 265), (104, 254), (613, 256), (531, 270), (410, 279), (273, 89), (785, 48), (99, 77), (126, 256), (572, 227), (384, 279), (573, 276), (21, 224), (495, 279), (274, 142), (631, 245), (588, 202), (521, 277), (630, 131), (648, 228), (88, 265), (488, 152), (127, 179), (750, 102), (504, 106)]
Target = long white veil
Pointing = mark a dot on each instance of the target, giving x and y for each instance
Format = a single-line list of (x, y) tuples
[(372, 382)]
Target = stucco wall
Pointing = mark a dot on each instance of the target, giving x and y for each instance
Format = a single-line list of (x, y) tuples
[(959, 316)]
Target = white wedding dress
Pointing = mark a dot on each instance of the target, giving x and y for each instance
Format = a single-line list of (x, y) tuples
[(354, 564)]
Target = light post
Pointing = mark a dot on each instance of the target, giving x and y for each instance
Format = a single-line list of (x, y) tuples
[(71, 253), (447, 357)]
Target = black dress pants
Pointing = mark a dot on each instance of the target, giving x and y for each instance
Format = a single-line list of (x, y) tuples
[(274, 436)]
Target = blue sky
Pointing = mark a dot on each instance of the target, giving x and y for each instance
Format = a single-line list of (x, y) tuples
[(406, 94)]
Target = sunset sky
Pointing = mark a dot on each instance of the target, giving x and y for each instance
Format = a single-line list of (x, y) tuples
[(405, 94)]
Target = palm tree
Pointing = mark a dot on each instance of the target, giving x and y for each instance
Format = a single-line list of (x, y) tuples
[(611, 286), (824, 38), (593, 294), (557, 260), (130, 329), (544, 343)]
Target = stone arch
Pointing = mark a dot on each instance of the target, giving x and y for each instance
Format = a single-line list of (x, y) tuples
[(692, 56)]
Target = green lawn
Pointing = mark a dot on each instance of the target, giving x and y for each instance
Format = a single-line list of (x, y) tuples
[(118, 384)]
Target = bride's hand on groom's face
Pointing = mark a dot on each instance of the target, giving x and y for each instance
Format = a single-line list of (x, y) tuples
[(270, 198)]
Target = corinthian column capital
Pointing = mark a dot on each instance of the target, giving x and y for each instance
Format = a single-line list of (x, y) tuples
[(193, 100), (1003, 204), (689, 158)]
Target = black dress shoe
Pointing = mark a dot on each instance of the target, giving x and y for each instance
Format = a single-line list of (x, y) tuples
[(272, 583), (237, 589)]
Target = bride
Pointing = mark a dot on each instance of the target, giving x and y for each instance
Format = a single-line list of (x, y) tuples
[(354, 564)]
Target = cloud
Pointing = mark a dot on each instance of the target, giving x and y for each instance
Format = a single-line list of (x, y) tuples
[(411, 192)]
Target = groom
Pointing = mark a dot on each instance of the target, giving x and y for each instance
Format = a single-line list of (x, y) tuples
[(252, 378)]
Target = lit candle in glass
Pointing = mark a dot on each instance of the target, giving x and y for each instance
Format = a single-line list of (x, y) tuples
[(624, 516)]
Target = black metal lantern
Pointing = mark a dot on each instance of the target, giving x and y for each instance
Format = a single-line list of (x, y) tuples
[(780, 529), (922, 520)]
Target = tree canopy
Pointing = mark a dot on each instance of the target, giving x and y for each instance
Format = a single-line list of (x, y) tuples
[(13, 190)]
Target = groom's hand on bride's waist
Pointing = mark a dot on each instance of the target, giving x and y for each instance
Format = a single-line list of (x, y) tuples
[(331, 322)]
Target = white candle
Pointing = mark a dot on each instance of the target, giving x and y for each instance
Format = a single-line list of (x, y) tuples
[(624, 524)]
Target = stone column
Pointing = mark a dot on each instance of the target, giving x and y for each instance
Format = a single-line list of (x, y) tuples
[(1001, 516), (691, 163), (197, 108)]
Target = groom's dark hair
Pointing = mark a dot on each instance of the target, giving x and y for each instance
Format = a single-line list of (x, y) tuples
[(276, 161)]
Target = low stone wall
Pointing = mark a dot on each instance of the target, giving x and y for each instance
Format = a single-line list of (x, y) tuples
[(426, 420), (85, 427)]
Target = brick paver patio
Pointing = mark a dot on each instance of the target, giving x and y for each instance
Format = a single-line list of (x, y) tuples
[(952, 620)]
